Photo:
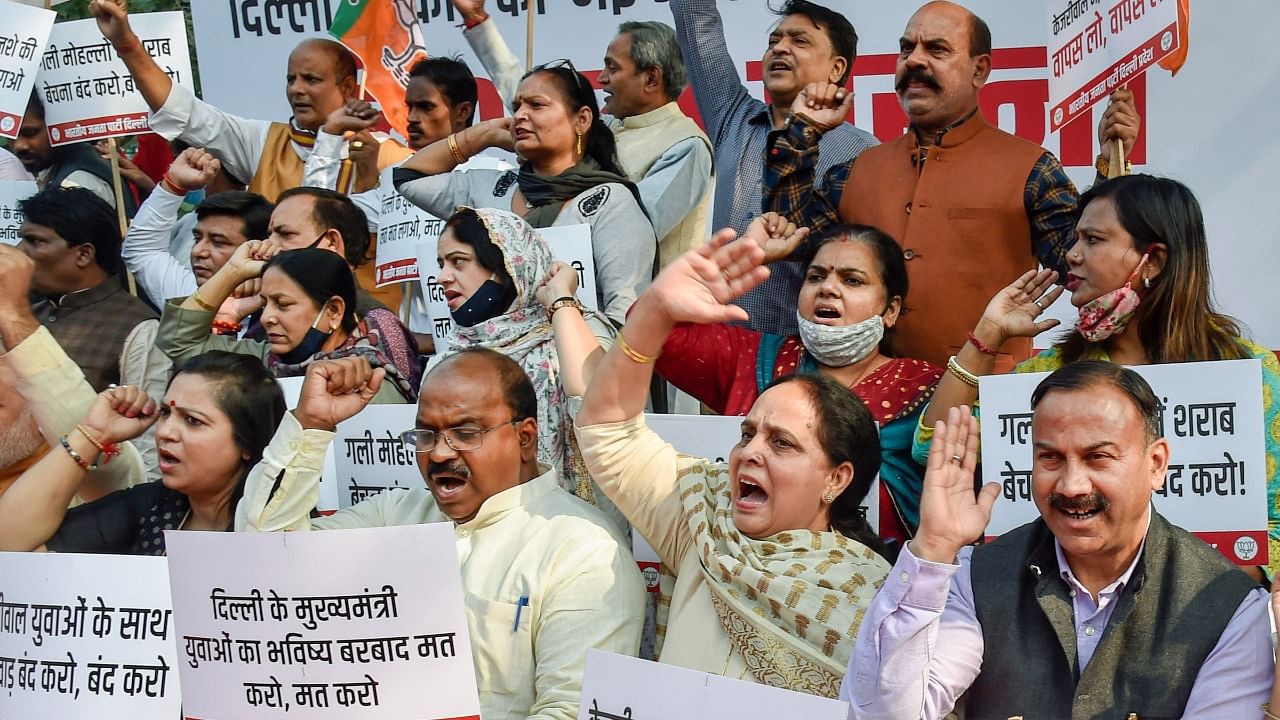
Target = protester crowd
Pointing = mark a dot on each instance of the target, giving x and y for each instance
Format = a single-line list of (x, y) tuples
[(775, 263)]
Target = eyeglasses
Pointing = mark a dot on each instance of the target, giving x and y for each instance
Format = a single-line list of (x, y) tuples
[(578, 79), (461, 439)]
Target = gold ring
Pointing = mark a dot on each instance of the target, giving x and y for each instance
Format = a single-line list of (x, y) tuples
[(357, 144)]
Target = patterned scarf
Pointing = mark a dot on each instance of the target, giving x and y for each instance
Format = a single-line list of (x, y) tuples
[(524, 335), (381, 339), (791, 603)]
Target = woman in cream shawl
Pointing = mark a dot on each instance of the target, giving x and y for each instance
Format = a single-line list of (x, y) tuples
[(771, 563)]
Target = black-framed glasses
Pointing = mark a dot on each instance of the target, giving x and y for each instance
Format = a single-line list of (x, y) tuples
[(578, 78), (461, 439)]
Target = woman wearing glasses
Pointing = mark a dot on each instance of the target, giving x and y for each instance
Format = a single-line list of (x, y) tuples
[(569, 174)]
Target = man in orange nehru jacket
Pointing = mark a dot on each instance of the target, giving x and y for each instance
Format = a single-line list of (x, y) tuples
[(972, 206)]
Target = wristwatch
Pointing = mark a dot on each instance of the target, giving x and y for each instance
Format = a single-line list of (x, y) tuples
[(564, 302)]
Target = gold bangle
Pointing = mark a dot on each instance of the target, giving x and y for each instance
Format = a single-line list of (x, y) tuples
[(968, 378), (200, 301), (1266, 712), (632, 353), (453, 148)]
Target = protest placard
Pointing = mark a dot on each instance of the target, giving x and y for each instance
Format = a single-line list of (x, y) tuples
[(380, 633), (618, 687), (11, 193), (369, 455), (76, 642), (328, 501), (22, 41), (1090, 55), (88, 92), (568, 243), (1211, 414)]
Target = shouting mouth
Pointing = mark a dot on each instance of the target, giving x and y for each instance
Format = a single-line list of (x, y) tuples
[(750, 494)]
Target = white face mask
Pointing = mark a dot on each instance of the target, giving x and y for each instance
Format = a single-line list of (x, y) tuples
[(840, 345)]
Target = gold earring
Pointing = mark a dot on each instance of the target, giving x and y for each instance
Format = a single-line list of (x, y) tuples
[(828, 497), (580, 153)]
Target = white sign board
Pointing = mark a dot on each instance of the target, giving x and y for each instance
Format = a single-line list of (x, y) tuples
[(617, 687), (1211, 414), (328, 500), (88, 92), (78, 642), (568, 243), (379, 633), (22, 41), (369, 455), (1091, 54), (11, 218)]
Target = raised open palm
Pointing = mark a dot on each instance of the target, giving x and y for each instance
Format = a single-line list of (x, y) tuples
[(950, 515), (699, 286)]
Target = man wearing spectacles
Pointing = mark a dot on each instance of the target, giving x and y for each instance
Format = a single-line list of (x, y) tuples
[(537, 563)]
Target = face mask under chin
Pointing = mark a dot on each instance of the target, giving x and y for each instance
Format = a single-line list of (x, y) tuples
[(310, 344)]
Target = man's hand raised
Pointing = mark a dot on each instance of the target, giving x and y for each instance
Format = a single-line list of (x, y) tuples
[(113, 19), (335, 390), (825, 105), (950, 516)]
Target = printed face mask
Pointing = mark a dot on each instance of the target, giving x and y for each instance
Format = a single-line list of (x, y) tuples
[(1109, 313), (489, 301), (837, 346)]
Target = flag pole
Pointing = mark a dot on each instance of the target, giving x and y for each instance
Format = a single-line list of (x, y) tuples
[(117, 186), (530, 11)]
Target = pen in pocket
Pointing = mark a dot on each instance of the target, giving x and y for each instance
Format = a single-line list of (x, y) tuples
[(521, 605)]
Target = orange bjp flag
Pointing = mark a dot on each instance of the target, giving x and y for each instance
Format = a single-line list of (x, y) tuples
[(1173, 61), (385, 34)]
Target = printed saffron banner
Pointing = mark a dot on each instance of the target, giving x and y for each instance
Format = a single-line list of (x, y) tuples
[(1211, 414), (22, 42), (617, 687), (326, 624), (77, 642), (88, 92), (1096, 46)]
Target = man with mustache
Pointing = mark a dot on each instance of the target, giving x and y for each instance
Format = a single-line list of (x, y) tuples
[(973, 207), (545, 576), (1098, 609), (223, 223)]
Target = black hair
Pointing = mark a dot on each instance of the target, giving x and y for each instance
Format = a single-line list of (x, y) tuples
[(577, 93), (847, 433), (517, 388), (1088, 373), (35, 106), (452, 78), (844, 39), (334, 211), (248, 394), (322, 275), (470, 230), (80, 218), (252, 209), (979, 36), (890, 266)]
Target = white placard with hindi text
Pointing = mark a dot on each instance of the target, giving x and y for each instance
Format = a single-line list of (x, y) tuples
[(88, 92), (22, 41), (369, 456), (328, 501), (328, 624), (1211, 413), (86, 636), (1096, 46), (618, 687), (11, 193), (568, 243)]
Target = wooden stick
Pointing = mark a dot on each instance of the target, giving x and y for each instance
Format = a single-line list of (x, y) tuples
[(117, 186), (1115, 164), (530, 11)]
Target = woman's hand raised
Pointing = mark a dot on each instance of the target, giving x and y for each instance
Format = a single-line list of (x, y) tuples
[(249, 260), (1013, 311), (120, 413), (699, 286), (561, 281)]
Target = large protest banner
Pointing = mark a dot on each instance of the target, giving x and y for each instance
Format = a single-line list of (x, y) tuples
[(88, 92), (369, 456), (380, 633), (76, 642), (22, 41), (1091, 55), (11, 193), (617, 687), (569, 243), (1211, 414)]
